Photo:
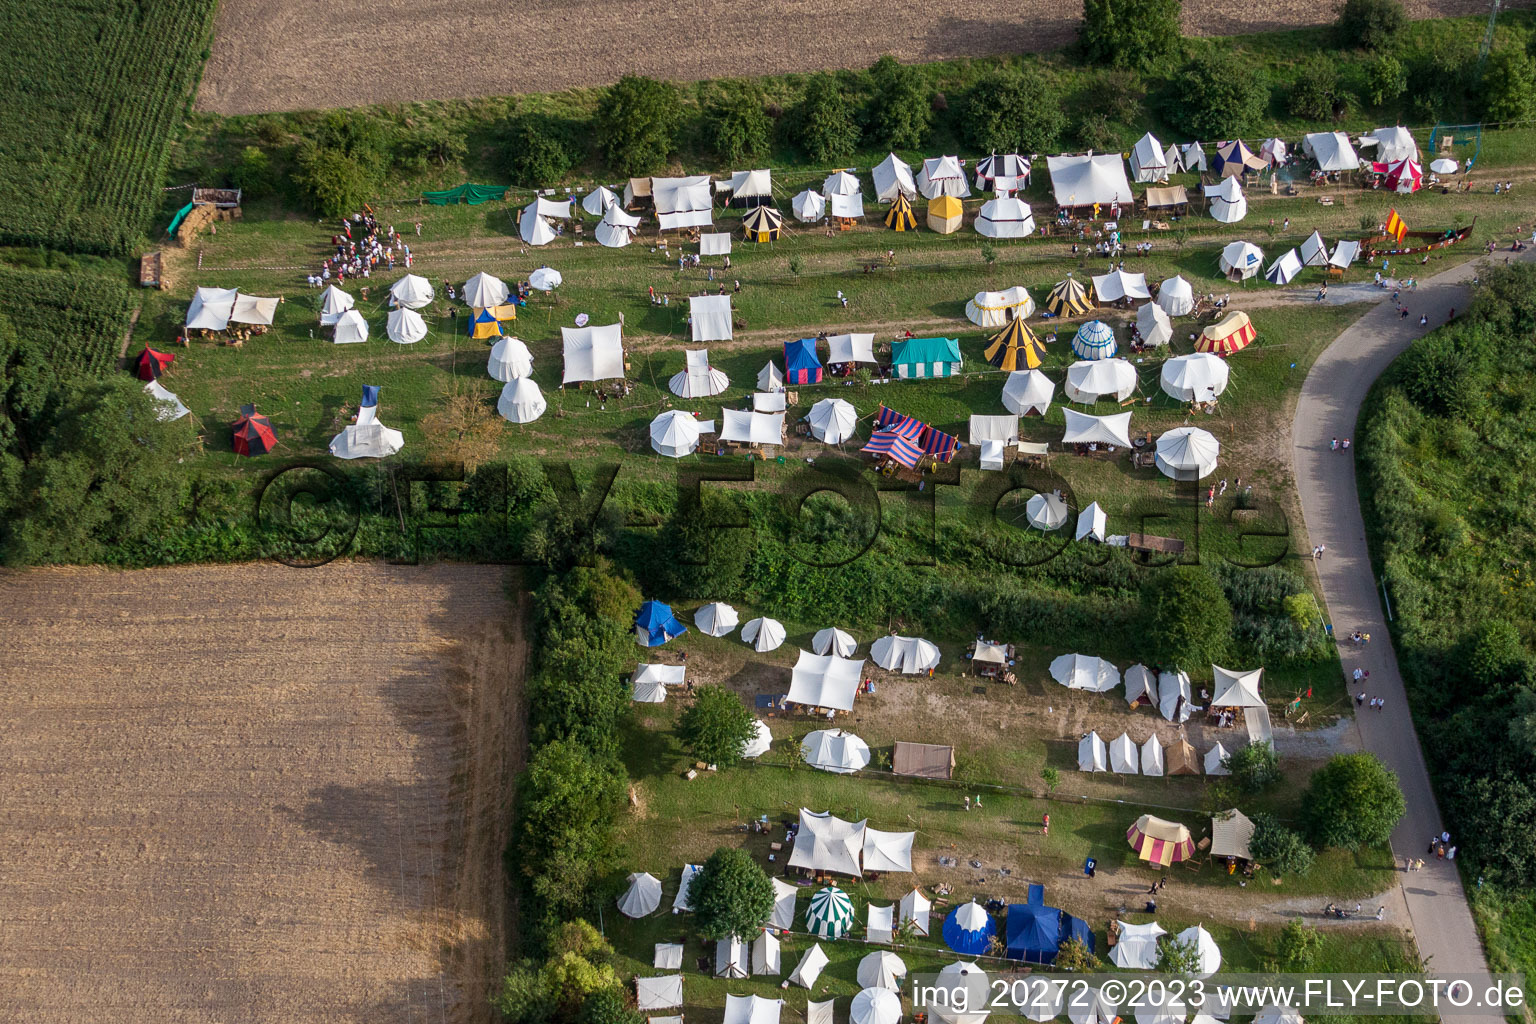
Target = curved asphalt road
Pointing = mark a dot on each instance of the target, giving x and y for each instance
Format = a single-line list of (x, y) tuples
[(1325, 479)]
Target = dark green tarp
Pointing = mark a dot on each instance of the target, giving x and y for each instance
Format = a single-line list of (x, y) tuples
[(181, 215), (472, 194)]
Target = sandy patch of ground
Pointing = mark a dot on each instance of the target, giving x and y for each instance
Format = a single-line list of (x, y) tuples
[(252, 793)]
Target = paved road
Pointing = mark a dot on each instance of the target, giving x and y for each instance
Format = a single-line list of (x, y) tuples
[(1329, 406)]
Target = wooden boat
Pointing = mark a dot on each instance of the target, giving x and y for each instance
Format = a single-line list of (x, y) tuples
[(1414, 241)]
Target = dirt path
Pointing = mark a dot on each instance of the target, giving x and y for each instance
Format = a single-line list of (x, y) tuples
[(292, 55)]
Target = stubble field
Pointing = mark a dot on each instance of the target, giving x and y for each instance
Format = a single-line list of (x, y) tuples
[(252, 793)]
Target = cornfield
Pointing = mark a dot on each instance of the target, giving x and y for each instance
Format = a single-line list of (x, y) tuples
[(77, 318)]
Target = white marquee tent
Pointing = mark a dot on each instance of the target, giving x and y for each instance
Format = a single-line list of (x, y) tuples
[(943, 176), (1176, 297), (1085, 672), (1237, 689), (1092, 379), (211, 308), (1091, 523), (1027, 391), (1283, 269), (593, 353), (674, 434), (1006, 217), (828, 843), (1085, 429), (887, 851), (851, 348), (1331, 150), (841, 183), (808, 207), (752, 427), (1045, 512), (1137, 948), (1198, 377), (1214, 758), (598, 200), (1118, 284), (893, 175), (1149, 159), (825, 681), (1228, 204), (905, 654), (521, 401), (509, 360), (1187, 453), (642, 897), (832, 420), (405, 327), (485, 290), (351, 328), (716, 619), (1086, 180), (836, 751), (751, 184), (683, 202), (617, 228), (711, 316)]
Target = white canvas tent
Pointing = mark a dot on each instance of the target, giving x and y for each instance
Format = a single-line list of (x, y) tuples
[(751, 184), (1344, 253), (1393, 144), (834, 641), (1006, 217), (168, 407), (1137, 948), (1086, 180), (1004, 429), (1273, 152), (784, 895), (851, 348), (835, 751), (880, 923), (763, 634), (840, 183), (534, 228), (252, 309), (1045, 512), (752, 1010), (683, 202), (1176, 297), (1002, 171), (649, 684), (1205, 946), (642, 897), (1118, 284), (593, 353), (761, 741), (732, 958), (1232, 835), (882, 968), (674, 434), (1214, 758), (875, 1006), (715, 243), (1152, 756), (752, 427), (1027, 391), (405, 327), (367, 438), (808, 207), (887, 851), (351, 328), (1085, 672), (1331, 150), (1092, 755), (1194, 156), (1237, 689), (333, 303), (1092, 1007), (1240, 260), (598, 200), (1227, 202), (1198, 377), (210, 308), (905, 654), (1277, 1015), (1140, 680), (824, 681), (832, 420), (995, 309), (818, 1012), (1174, 696), (1124, 758), (509, 360), (1149, 160), (893, 175), (711, 316), (667, 956), (765, 954), (846, 207), (1187, 453), (683, 900), (521, 401), (545, 279), (1314, 252), (698, 379), (485, 290), (1283, 269), (1093, 379), (943, 176), (659, 993), (1153, 323), (716, 619), (828, 843), (1085, 429), (770, 377), (915, 907), (617, 228), (1091, 523)]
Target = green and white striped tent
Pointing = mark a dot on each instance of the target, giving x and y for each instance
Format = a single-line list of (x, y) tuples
[(830, 913)]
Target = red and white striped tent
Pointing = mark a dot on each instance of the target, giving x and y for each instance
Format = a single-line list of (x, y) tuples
[(1231, 333), (1160, 842)]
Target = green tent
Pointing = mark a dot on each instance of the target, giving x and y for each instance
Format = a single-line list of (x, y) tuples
[(474, 195), (830, 914), (926, 357)]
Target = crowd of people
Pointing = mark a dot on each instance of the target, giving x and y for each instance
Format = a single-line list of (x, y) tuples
[(361, 248)]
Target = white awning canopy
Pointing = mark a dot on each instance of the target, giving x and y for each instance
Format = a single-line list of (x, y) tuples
[(716, 243), (1084, 429), (906, 654), (711, 316), (211, 308), (887, 851), (994, 428), (828, 843), (1119, 284), (1237, 689), (659, 993), (851, 348), (752, 427), (593, 353), (825, 681)]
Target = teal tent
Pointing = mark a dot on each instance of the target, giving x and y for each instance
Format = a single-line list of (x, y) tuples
[(926, 357), (474, 195)]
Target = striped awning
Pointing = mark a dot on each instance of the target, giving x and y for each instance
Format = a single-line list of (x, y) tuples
[(904, 450), (940, 445), (905, 426)]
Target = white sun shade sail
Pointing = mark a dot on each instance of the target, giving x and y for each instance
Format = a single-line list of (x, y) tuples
[(1152, 757), (521, 401), (698, 379), (1005, 218), (851, 348), (1314, 251), (642, 897), (598, 200), (593, 353), (808, 207), (1331, 150), (1187, 453), (825, 681), (667, 956), (674, 434), (1085, 672), (210, 308), (836, 751), (659, 993), (832, 420), (484, 290), (1092, 754), (752, 427), (1137, 947), (908, 655), (1199, 377), (716, 619), (1086, 180), (1154, 325), (168, 407), (834, 641), (893, 175), (405, 327), (887, 851), (1237, 689), (351, 328), (828, 843), (846, 207), (1027, 391), (1119, 284), (761, 740), (509, 360), (1176, 297), (1084, 429), (333, 303), (1149, 160), (252, 309), (763, 634), (711, 315), (1091, 523), (1092, 379), (752, 1010), (617, 228), (943, 176), (1283, 269), (1045, 512)]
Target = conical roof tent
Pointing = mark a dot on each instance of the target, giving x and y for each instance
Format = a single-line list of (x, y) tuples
[(1015, 347), (900, 217), (509, 360), (642, 897), (521, 401), (763, 224), (405, 327), (1068, 298), (484, 290)]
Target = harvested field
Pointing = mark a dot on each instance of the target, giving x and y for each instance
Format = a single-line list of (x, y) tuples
[(292, 55), (256, 794)]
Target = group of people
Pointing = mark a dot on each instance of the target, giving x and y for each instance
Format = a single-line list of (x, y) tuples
[(361, 248)]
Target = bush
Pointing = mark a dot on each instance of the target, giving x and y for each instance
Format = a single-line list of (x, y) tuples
[(1130, 33), (536, 150), (1496, 655), (1012, 113), (1297, 948), (703, 550), (1095, 132), (418, 149), (1315, 92), (1074, 955), (716, 726), (823, 125), (253, 174), (1254, 767), (1509, 86), (1189, 622), (567, 799), (899, 112), (1353, 801), (1217, 96), (1385, 80), (1283, 851), (609, 1006), (341, 166), (637, 124), (1441, 377), (1175, 957), (1370, 24), (738, 125), (731, 895), (1442, 82)]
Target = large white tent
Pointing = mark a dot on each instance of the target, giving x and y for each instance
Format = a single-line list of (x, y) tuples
[(1331, 150), (545, 279), (1149, 159), (1124, 757), (1139, 680), (683, 202), (1228, 204), (1237, 689), (1176, 297), (509, 360), (808, 207), (405, 327), (751, 184), (893, 175), (751, 427), (1091, 523), (1198, 377), (908, 655), (1393, 144), (875, 1006), (211, 308), (642, 897), (698, 379), (593, 353), (836, 751), (617, 228), (828, 843), (1241, 260), (521, 401), (351, 328), (1314, 251), (915, 907), (971, 994), (598, 200), (1027, 391), (881, 969), (752, 1010), (832, 420), (1187, 453), (1086, 180), (485, 290), (1345, 251), (1092, 379), (1137, 946), (660, 992), (1120, 284), (716, 619), (1154, 325), (1085, 672), (674, 434), (887, 851), (834, 641), (367, 438), (1092, 755), (825, 681), (763, 634), (533, 227), (1045, 512), (943, 176), (253, 309), (1006, 217), (995, 309), (333, 303), (650, 681), (1085, 429), (841, 183), (1284, 269), (851, 348), (711, 317)]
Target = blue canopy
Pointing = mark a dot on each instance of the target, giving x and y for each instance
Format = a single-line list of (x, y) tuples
[(656, 624), (969, 942), (801, 364), (1076, 928), (370, 396), (1034, 932)]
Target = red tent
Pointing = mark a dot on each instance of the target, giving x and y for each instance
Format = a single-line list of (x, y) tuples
[(149, 364), (253, 432)]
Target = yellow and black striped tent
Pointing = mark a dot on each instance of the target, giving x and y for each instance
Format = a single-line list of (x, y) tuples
[(1015, 347), (900, 216), (1068, 298), (763, 224)]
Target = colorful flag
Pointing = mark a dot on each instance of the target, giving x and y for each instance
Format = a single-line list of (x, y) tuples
[(1395, 226)]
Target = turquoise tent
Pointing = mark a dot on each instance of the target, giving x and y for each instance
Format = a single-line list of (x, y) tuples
[(926, 357)]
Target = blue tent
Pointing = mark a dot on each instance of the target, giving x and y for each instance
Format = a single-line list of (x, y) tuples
[(969, 929), (801, 365), (1076, 928), (656, 624), (1034, 933)]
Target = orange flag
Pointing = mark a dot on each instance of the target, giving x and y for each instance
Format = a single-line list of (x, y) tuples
[(1395, 226)]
